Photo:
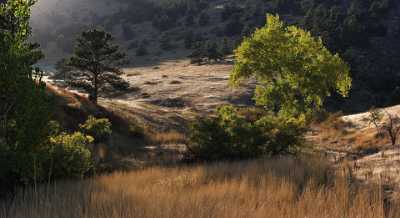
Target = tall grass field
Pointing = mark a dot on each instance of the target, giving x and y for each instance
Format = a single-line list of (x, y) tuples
[(278, 188)]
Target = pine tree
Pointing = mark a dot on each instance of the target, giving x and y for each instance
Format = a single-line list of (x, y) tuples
[(213, 52), (96, 62), (226, 49), (198, 54)]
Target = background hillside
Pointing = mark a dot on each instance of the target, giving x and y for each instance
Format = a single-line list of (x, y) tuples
[(364, 33)]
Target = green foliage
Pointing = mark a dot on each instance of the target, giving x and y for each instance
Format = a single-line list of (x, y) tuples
[(69, 155), (232, 135), (213, 52), (96, 62), (295, 72), (24, 106), (100, 129)]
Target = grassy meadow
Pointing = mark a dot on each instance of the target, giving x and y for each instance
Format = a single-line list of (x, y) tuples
[(281, 187)]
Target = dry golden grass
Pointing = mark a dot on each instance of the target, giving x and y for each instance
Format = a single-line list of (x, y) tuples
[(167, 137), (285, 187)]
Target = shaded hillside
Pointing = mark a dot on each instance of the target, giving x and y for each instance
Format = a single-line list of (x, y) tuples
[(364, 33), (132, 144)]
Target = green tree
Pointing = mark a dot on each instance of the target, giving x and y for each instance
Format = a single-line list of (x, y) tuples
[(100, 129), (97, 62), (198, 54), (213, 52), (69, 155), (226, 48), (295, 72), (24, 106), (234, 134)]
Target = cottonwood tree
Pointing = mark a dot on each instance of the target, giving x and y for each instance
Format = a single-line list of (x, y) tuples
[(96, 63), (24, 106), (295, 72)]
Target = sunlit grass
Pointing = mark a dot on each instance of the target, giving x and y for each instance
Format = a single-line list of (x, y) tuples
[(284, 187)]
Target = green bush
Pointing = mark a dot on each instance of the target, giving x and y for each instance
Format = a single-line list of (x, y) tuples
[(70, 156), (99, 128), (232, 135)]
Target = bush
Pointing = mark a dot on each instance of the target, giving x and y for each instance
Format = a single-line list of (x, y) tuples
[(100, 129), (231, 135), (70, 155)]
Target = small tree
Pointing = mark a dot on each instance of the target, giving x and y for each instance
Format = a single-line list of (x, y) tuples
[(196, 57), (226, 49), (295, 72), (165, 43), (96, 62), (99, 129), (391, 126), (62, 69), (213, 52), (189, 39)]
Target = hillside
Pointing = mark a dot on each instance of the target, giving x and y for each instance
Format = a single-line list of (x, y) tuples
[(199, 108), (364, 33), (166, 97), (134, 143)]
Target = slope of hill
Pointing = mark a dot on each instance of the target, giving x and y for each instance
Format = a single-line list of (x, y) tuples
[(364, 33), (133, 143)]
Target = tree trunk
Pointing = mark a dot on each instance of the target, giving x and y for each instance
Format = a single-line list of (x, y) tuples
[(95, 91)]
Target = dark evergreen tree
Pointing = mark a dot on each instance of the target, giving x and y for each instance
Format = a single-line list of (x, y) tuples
[(198, 54), (62, 69), (189, 20), (142, 49), (234, 27), (204, 19), (96, 62), (165, 42), (189, 39), (213, 53), (226, 48)]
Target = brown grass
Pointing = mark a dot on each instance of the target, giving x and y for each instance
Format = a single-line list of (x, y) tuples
[(278, 188), (170, 137)]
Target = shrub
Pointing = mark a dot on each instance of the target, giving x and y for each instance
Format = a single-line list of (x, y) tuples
[(231, 135), (100, 129), (70, 155)]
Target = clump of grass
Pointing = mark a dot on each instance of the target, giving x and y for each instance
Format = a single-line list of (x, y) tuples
[(169, 137), (279, 188), (133, 74), (175, 82)]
